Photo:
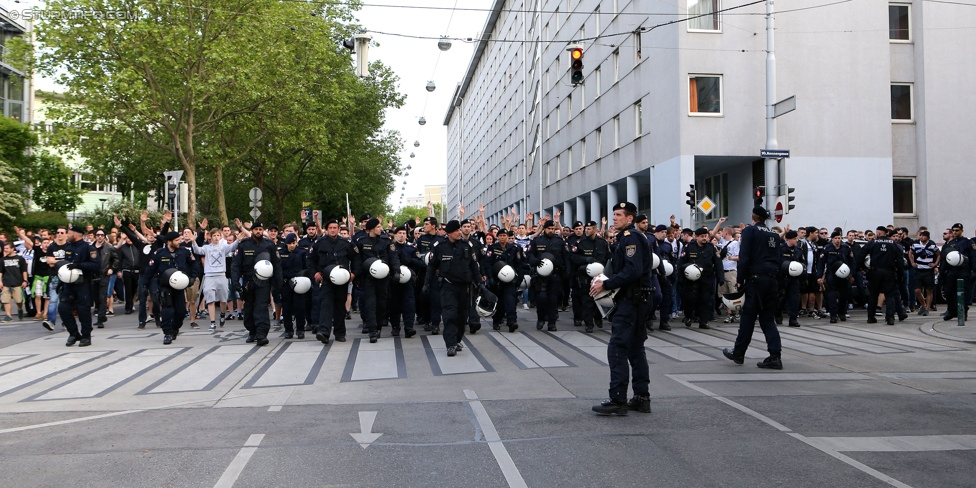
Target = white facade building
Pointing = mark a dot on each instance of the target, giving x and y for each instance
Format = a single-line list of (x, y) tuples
[(877, 136)]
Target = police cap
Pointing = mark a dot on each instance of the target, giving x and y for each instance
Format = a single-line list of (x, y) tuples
[(372, 223), (257, 224), (578, 223), (432, 220), (465, 221), (957, 225), (452, 226), (290, 238), (332, 221), (548, 224), (401, 228), (171, 236), (760, 212), (791, 234), (660, 228), (701, 231), (626, 207), (273, 226), (882, 229), (77, 228), (640, 218), (835, 234), (591, 223), (365, 217)]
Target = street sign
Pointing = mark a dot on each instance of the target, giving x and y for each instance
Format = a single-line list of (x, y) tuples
[(784, 106), (254, 194), (255, 203), (255, 213), (706, 205), (778, 212), (774, 153)]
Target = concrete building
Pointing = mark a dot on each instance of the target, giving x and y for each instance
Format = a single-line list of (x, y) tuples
[(674, 95), (432, 193), (14, 85)]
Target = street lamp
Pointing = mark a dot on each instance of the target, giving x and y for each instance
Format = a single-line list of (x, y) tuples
[(103, 200)]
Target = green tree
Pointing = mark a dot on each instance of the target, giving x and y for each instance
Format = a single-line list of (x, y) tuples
[(52, 189)]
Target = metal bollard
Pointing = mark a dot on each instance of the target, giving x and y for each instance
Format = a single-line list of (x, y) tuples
[(960, 303)]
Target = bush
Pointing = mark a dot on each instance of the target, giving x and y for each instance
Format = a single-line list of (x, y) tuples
[(40, 220)]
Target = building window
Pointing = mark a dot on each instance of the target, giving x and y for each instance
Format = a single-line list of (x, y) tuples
[(559, 162), (616, 10), (616, 66), (638, 124), (904, 196), (717, 189), (703, 16), (569, 108), (548, 82), (899, 22), (901, 102), (596, 20), (558, 118), (599, 144), (582, 152), (548, 129), (597, 77), (569, 161), (705, 95), (616, 132)]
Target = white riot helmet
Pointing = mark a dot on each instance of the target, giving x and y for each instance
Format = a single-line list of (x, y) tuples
[(405, 274), (604, 299), (956, 258), (68, 275), (263, 269), (300, 284), (668, 268), (526, 283), (734, 300), (427, 258), (594, 269), (338, 275), (795, 269), (655, 261), (693, 272), (843, 271), (506, 274), (377, 268), (867, 261), (146, 249), (485, 303), (545, 267)]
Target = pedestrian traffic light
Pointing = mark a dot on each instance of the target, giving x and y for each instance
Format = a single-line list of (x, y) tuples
[(790, 198), (758, 193), (692, 198), (576, 65)]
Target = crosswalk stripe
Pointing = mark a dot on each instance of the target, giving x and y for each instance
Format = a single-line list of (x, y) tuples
[(204, 372), (586, 344), (33, 373), (103, 380), (850, 343), (295, 363), (710, 340), (928, 346), (466, 361), (5, 360), (526, 351), (674, 351), (793, 345), (381, 360)]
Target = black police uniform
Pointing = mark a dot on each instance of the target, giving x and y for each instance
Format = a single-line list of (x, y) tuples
[(512, 255), (293, 264), (77, 297), (328, 251), (631, 272), (402, 301), (666, 252), (375, 292), (455, 266), (429, 303), (838, 290), (548, 288), (657, 276), (312, 298), (569, 280), (586, 250), (789, 286), (172, 303), (949, 275), (255, 292), (757, 273), (886, 266), (474, 320), (697, 296)]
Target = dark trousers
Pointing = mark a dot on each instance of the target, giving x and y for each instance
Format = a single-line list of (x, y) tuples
[(432, 304), (257, 297), (310, 304), (698, 298), (949, 281), (144, 293), (626, 349), (332, 308), (838, 295), (882, 281), (76, 298), (505, 309), (760, 303), (402, 304), (547, 293), (99, 289), (293, 305), (422, 305), (790, 304), (172, 310), (667, 299), (375, 295), (130, 286), (576, 294), (564, 290), (454, 299)]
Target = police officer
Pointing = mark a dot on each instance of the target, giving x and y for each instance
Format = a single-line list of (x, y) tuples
[(429, 305), (455, 265), (76, 297), (756, 274), (698, 296), (666, 252), (575, 287), (949, 275), (331, 250), (402, 303), (172, 302), (886, 265), (255, 291), (547, 288), (591, 248), (505, 251), (294, 263), (374, 243), (312, 299), (631, 265), (838, 289), (474, 320), (789, 286)]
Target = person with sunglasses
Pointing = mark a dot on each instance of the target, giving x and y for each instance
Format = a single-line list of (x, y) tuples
[(55, 252), (109, 262), (950, 275)]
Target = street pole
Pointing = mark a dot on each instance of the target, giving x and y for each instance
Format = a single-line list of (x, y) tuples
[(772, 165), (960, 302)]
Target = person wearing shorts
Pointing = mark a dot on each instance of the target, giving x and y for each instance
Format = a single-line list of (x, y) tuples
[(14, 281), (215, 287)]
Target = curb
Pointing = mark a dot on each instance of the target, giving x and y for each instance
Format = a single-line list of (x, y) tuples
[(929, 330)]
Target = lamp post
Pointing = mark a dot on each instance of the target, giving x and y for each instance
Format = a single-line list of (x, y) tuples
[(103, 200)]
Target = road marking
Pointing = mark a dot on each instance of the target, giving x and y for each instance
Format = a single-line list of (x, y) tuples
[(674, 351), (502, 457), (378, 361), (466, 361), (296, 363), (710, 340), (366, 436), (907, 443), (5, 360), (33, 373), (583, 343), (794, 345), (527, 352), (709, 377), (782, 428), (107, 378), (850, 343), (947, 375), (204, 372), (928, 346), (233, 471), (281, 400)]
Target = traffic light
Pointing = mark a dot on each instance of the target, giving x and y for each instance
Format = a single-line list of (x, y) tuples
[(691, 201), (171, 186), (790, 198), (576, 65), (758, 194)]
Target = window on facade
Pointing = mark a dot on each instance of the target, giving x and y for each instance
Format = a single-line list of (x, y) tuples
[(899, 22), (558, 118), (616, 10), (569, 108), (559, 162), (582, 152), (548, 175), (569, 161), (901, 102), (638, 123), (596, 76), (548, 129), (705, 94), (599, 144), (904, 196), (702, 15), (616, 66), (716, 188), (596, 20), (616, 132)]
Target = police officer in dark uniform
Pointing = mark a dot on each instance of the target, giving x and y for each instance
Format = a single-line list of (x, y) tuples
[(666, 252), (838, 290), (547, 288), (331, 250), (756, 274), (886, 265), (631, 277), (255, 292), (429, 304), (172, 303), (698, 296), (76, 297), (949, 275), (474, 320), (455, 265), (505, 251), (569, 277), (312, 298), (402, 303), (375, 291), (789, 286), (294, 263), (591, 248)]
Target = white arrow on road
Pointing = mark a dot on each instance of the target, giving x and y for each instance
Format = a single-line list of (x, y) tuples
[(366, 437)]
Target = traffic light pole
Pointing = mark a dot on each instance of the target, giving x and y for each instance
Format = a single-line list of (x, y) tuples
[(772, 165)]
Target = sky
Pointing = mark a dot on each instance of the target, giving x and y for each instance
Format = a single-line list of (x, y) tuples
[(415, 61)]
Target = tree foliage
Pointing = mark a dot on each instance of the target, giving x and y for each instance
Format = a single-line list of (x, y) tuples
[(53, 190)]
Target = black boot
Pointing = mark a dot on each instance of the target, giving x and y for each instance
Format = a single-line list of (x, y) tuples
[(611, 407), (772, 362)]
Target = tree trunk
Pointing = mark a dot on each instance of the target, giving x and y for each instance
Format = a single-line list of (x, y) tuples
[(221, 202), (191, 181)]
